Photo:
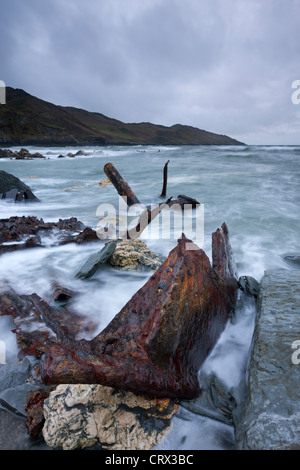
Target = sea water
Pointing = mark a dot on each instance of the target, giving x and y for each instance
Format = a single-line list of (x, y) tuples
[(254, 189)]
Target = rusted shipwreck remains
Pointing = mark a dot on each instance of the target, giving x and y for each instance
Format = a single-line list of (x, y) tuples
[(156, 344)]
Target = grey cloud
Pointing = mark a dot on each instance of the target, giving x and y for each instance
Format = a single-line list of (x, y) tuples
[(225, 66)]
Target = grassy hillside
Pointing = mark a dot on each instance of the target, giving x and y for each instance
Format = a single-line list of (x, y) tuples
[(27, 120)]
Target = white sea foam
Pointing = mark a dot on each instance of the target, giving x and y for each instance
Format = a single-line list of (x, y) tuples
[(255, 191)]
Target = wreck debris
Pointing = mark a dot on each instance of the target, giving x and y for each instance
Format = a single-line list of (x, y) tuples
[(164, 189), (158, 341), (38, 325), (35, 413), (123, 188), (185, 202), (146, 217), (61, 293)]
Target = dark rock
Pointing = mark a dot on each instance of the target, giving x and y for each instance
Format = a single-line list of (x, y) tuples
[(249, 285), (158, 341), (215, 401), (28, 230), (12, 187), (15, 399), (87, 235), (270, 420), (22, 154), (94, 262), (37, 155), (14, 374), (184, 201), (5, 153)]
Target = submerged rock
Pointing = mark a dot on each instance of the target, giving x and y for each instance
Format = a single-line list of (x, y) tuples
[(293, 260), (270, 420), (105, 182), (185, 202), (81, 416), (22, 154)]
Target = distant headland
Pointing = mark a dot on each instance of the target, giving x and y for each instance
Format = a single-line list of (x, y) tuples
[(27, 120)]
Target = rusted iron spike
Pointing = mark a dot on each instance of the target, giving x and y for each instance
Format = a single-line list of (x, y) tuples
[(120, 184), (164, 189)]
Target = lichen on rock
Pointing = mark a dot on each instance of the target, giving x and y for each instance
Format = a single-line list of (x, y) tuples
[(81, 416), (134, 255)]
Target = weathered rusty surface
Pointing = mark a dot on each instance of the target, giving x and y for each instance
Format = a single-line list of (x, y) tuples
[(38, 326), (122, 187), (34, 407), (146, 217), (158, 341), (61, 293), (222, 257)]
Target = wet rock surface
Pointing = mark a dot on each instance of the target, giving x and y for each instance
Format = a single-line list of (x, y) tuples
[(270, 420), (249, 285), (217, 402), (134, 255), (18, 233), (17, 380), (12, 188), (93, 263), (13, 432), (82, 416), (22, 154)]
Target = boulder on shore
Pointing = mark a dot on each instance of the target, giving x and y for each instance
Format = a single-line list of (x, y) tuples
[(134, 255), (12, 187), (81, 416), (270, 420)]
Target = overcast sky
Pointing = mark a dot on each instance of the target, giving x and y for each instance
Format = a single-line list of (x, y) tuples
[(226, 66)]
